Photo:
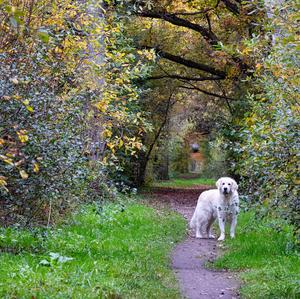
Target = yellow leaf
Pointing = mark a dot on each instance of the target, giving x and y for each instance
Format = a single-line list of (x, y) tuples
[(36, 167), (258, 66), (110, 145), (2, 141), (30, 109), (3, 183), (23, 174), (22, 134), (102, 106), (107, 133), (7, 160)]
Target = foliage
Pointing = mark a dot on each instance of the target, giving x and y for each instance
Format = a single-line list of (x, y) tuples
[(179, 154), (202, 58), (118, 251), (42, 117), (215, 164), (265, 249), (69, 110), (124, 121), (266, 146)]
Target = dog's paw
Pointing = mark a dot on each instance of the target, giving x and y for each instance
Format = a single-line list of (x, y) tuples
[(221, 238), (232, 236), (211, 236)]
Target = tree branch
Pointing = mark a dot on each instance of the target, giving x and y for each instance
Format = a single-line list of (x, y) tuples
[(209, 36), (189, 63), (208, 22), (224, 94), (208, 92), (198, 79), (231, 7), (193, 13)]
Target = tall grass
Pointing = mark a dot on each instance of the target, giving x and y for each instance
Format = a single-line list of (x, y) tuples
[(115, 252), (266, 256)]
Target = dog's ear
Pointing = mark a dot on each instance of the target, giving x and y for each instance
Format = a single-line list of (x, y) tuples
[(235, 185), (218, 183)]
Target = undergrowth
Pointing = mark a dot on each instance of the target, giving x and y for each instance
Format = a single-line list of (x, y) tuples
[(264, 253), (119, 251)]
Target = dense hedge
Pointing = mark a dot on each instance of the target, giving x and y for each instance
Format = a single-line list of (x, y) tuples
[(69, 111), (268, 146)]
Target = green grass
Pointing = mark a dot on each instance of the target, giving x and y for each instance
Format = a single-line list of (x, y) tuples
[(270, 264), (115, 252), (185, 183)]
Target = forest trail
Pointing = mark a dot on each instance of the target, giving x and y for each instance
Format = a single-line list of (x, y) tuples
[(190, 256)]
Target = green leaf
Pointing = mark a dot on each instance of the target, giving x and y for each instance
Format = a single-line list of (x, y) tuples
[(43, 36)]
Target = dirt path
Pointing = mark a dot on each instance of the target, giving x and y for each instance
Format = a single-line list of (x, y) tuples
[(190, 256)]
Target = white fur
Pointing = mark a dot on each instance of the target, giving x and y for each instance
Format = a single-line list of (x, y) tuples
[(221, 203)]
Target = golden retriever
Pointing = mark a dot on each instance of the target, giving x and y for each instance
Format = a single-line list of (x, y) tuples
[(221, 203)]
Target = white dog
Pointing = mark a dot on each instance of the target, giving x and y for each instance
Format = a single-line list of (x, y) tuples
[(217, 203)]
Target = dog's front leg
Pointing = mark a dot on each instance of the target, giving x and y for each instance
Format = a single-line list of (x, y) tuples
[(221, 219), (233, 222), (233, 225)]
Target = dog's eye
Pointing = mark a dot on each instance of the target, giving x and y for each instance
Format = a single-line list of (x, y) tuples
[(223, 183), (229, 183)]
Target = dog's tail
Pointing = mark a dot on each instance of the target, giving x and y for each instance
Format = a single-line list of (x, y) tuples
[(193, 221)]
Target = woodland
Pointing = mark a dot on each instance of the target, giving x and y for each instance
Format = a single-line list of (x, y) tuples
[(101, 99)]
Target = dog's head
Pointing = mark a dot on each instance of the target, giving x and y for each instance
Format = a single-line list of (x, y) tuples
[(226, 185)]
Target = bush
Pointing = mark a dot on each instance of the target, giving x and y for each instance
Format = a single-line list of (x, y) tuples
[(266, 141), (68, 119)]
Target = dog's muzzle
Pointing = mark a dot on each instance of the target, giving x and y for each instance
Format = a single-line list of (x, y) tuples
[(225, 191)]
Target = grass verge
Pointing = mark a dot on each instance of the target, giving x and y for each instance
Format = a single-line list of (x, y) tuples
[(115, 252), (184, 183), (270, 263)]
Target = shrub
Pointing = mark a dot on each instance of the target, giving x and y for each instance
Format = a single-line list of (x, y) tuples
[(267, 146)]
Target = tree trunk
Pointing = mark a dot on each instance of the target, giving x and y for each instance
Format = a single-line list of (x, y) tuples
[(96, 54), (145, 157)]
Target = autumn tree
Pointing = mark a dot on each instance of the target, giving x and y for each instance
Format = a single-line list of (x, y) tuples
[(62, 105)]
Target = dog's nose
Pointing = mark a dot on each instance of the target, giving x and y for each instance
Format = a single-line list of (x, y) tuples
[(225, 188)]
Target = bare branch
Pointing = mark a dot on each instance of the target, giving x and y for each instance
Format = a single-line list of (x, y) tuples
[(231, 6), (188, 63), (207, 92), (198, 79), (224, 94), (208, 22), (208, 35)]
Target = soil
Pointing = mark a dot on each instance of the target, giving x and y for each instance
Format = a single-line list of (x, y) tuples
[(189, 258)]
